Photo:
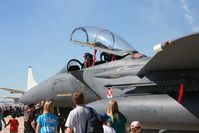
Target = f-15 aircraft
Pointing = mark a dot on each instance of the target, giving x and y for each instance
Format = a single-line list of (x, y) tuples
[(162, 92)]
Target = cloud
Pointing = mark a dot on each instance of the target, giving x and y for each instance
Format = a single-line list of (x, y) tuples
[(189, 16)]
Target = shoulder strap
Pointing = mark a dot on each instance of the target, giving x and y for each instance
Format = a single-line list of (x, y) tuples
[(91, 110), (87, 118)]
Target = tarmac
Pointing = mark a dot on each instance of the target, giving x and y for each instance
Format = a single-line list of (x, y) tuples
[(21, 125)]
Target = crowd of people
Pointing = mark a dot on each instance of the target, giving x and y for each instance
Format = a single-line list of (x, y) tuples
[(113, 120), (41, 118), (9, 110)]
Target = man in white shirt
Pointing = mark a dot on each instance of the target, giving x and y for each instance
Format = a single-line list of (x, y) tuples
[(77, 118)]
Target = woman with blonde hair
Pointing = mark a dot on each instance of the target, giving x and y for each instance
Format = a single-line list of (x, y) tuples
[(117, 120), (48, 121)]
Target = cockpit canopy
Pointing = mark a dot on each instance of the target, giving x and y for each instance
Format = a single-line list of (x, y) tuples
[(111, 46), (101, 39)]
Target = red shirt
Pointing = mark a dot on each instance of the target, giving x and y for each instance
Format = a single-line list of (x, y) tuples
[(13, 124)]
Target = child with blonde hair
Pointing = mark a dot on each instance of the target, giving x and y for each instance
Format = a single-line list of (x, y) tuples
[(48, 121)]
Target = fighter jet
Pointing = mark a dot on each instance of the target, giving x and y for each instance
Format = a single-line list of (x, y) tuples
[(161, 91)]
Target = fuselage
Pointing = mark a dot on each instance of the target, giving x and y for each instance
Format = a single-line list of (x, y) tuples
[(112, 73), (152, 99)]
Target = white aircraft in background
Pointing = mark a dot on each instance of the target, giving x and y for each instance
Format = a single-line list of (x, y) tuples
[(30, 84)]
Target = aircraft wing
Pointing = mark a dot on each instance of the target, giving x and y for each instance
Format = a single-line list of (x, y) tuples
[(180, 54), (14, 91)]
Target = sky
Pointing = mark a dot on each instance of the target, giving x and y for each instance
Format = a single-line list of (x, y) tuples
[(36, 32)]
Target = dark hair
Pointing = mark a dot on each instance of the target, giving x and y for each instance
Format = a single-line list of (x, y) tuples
[(13, 115), (31, 105), (78, 98)]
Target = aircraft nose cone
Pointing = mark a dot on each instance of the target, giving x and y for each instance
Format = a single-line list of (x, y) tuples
[(37, 93), (27, 98)]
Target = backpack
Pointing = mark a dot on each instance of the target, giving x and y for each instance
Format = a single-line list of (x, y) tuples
[(93, 124)]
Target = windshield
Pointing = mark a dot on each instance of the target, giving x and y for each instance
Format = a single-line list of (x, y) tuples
[(101, 39), (72, 65)]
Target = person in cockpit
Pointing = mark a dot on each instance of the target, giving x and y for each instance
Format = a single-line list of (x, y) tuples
[(106, 57), (88, 60)]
